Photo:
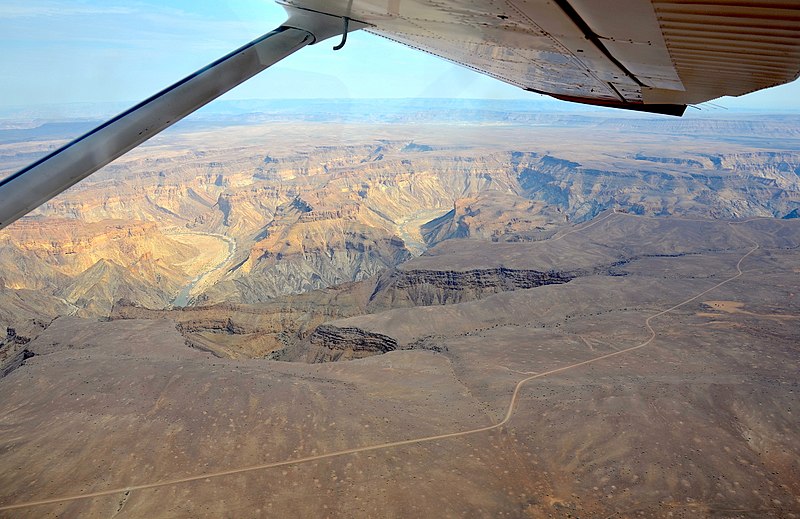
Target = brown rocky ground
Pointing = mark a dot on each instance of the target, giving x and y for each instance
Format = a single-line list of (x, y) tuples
[(697, 418)]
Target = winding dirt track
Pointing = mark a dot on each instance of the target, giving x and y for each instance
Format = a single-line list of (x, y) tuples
[(509, 414)]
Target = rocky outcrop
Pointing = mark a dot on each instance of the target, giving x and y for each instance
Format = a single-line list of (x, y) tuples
[(494, 216), (255, 331), (403, 288), (97, 289), (413, 146), (331, 343), (91, 265), (304, 250), (721, 186), (343, 213), (14, 362), (49, 253), (12, 351), (246, 209)]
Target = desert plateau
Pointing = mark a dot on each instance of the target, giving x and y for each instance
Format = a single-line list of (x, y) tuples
[(387, 309)]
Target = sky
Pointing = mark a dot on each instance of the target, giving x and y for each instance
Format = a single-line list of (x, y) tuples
[(56, 52)]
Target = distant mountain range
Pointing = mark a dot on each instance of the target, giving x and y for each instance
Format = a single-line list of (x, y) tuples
[(360, 110)]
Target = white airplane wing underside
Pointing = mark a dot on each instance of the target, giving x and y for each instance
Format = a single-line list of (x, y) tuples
[(657, 55), (651, 55)]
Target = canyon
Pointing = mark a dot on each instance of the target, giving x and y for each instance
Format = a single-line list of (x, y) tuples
[(479, 312), (309, 214)]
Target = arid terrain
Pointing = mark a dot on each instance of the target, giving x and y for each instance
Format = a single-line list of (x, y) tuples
[(516, 316)]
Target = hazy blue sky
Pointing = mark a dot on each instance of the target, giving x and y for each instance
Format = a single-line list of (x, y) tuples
[(57, 51)]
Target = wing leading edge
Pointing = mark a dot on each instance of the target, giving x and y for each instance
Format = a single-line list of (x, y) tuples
[(647, 55)]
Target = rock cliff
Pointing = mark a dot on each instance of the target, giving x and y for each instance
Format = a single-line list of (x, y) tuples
[(331, 343), (417, 287)]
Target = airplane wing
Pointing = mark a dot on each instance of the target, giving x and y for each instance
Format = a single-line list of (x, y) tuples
[(650, 55)]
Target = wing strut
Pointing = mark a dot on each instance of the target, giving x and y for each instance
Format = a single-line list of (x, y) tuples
[(34, 185)]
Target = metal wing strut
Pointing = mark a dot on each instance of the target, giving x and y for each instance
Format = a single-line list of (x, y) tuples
[(32, 186)]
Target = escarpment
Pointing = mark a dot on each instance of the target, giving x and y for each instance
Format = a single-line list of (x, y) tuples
[(307, 256), (417, 287), (331, 343)]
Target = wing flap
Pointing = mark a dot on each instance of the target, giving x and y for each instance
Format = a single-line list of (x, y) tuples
[(633, 36)]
